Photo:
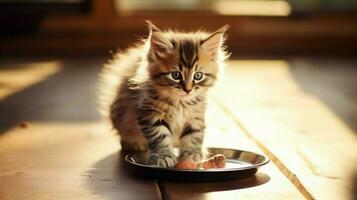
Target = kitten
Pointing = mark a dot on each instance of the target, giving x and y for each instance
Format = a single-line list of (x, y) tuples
[(156, 92)]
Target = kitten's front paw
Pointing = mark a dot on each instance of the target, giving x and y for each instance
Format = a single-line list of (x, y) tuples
[(162, 159), (196, 156)]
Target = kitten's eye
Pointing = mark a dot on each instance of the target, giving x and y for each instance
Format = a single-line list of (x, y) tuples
[(176, 76), (198, 76)]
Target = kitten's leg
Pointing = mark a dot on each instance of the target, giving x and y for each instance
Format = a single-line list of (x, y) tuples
[(123, 118), (133, 141), (191, 143), (158, 134)]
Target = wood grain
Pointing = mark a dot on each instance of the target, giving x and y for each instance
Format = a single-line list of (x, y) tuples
[(52, 143), (64, 150), (66, 161), (307, 141)]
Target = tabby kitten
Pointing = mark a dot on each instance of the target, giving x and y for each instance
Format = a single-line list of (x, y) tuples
[(156, 92)]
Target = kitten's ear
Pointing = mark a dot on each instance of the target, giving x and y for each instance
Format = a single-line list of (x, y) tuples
[(151, 26), (159, 44), (213, 42)]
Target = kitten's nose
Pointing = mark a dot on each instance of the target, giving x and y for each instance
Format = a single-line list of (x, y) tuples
[(187, 87), (187, 90)]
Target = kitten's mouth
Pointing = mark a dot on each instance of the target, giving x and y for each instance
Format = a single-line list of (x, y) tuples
[(185, 94)]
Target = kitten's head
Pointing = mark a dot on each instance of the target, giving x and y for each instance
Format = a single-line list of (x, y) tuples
[(183, 65)]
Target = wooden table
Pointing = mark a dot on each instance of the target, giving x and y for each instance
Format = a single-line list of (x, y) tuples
[(53, 144)]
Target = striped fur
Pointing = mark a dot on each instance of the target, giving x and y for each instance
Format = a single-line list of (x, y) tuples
[(148, 107)]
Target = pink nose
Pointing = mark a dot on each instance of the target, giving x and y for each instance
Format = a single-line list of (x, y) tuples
[(187, 90)]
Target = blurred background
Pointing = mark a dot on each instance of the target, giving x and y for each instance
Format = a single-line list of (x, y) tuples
[(257, 26)]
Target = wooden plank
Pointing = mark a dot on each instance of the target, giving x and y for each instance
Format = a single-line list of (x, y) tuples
[(16, 77), (64, 151), (308, 142), (66, 161), (269, 183)]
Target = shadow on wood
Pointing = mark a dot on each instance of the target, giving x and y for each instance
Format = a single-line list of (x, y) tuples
[(66, 96), (110, 179), (111, 175), (333, 81)]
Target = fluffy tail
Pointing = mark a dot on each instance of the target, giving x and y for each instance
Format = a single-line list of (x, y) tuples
[(121, 66)]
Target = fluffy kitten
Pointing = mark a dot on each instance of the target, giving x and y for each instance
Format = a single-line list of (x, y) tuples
[(156, 92)]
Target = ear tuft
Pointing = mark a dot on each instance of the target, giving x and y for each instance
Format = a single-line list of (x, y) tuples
[(159, 44), (151, 26), (223, 29), (213, 42)]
